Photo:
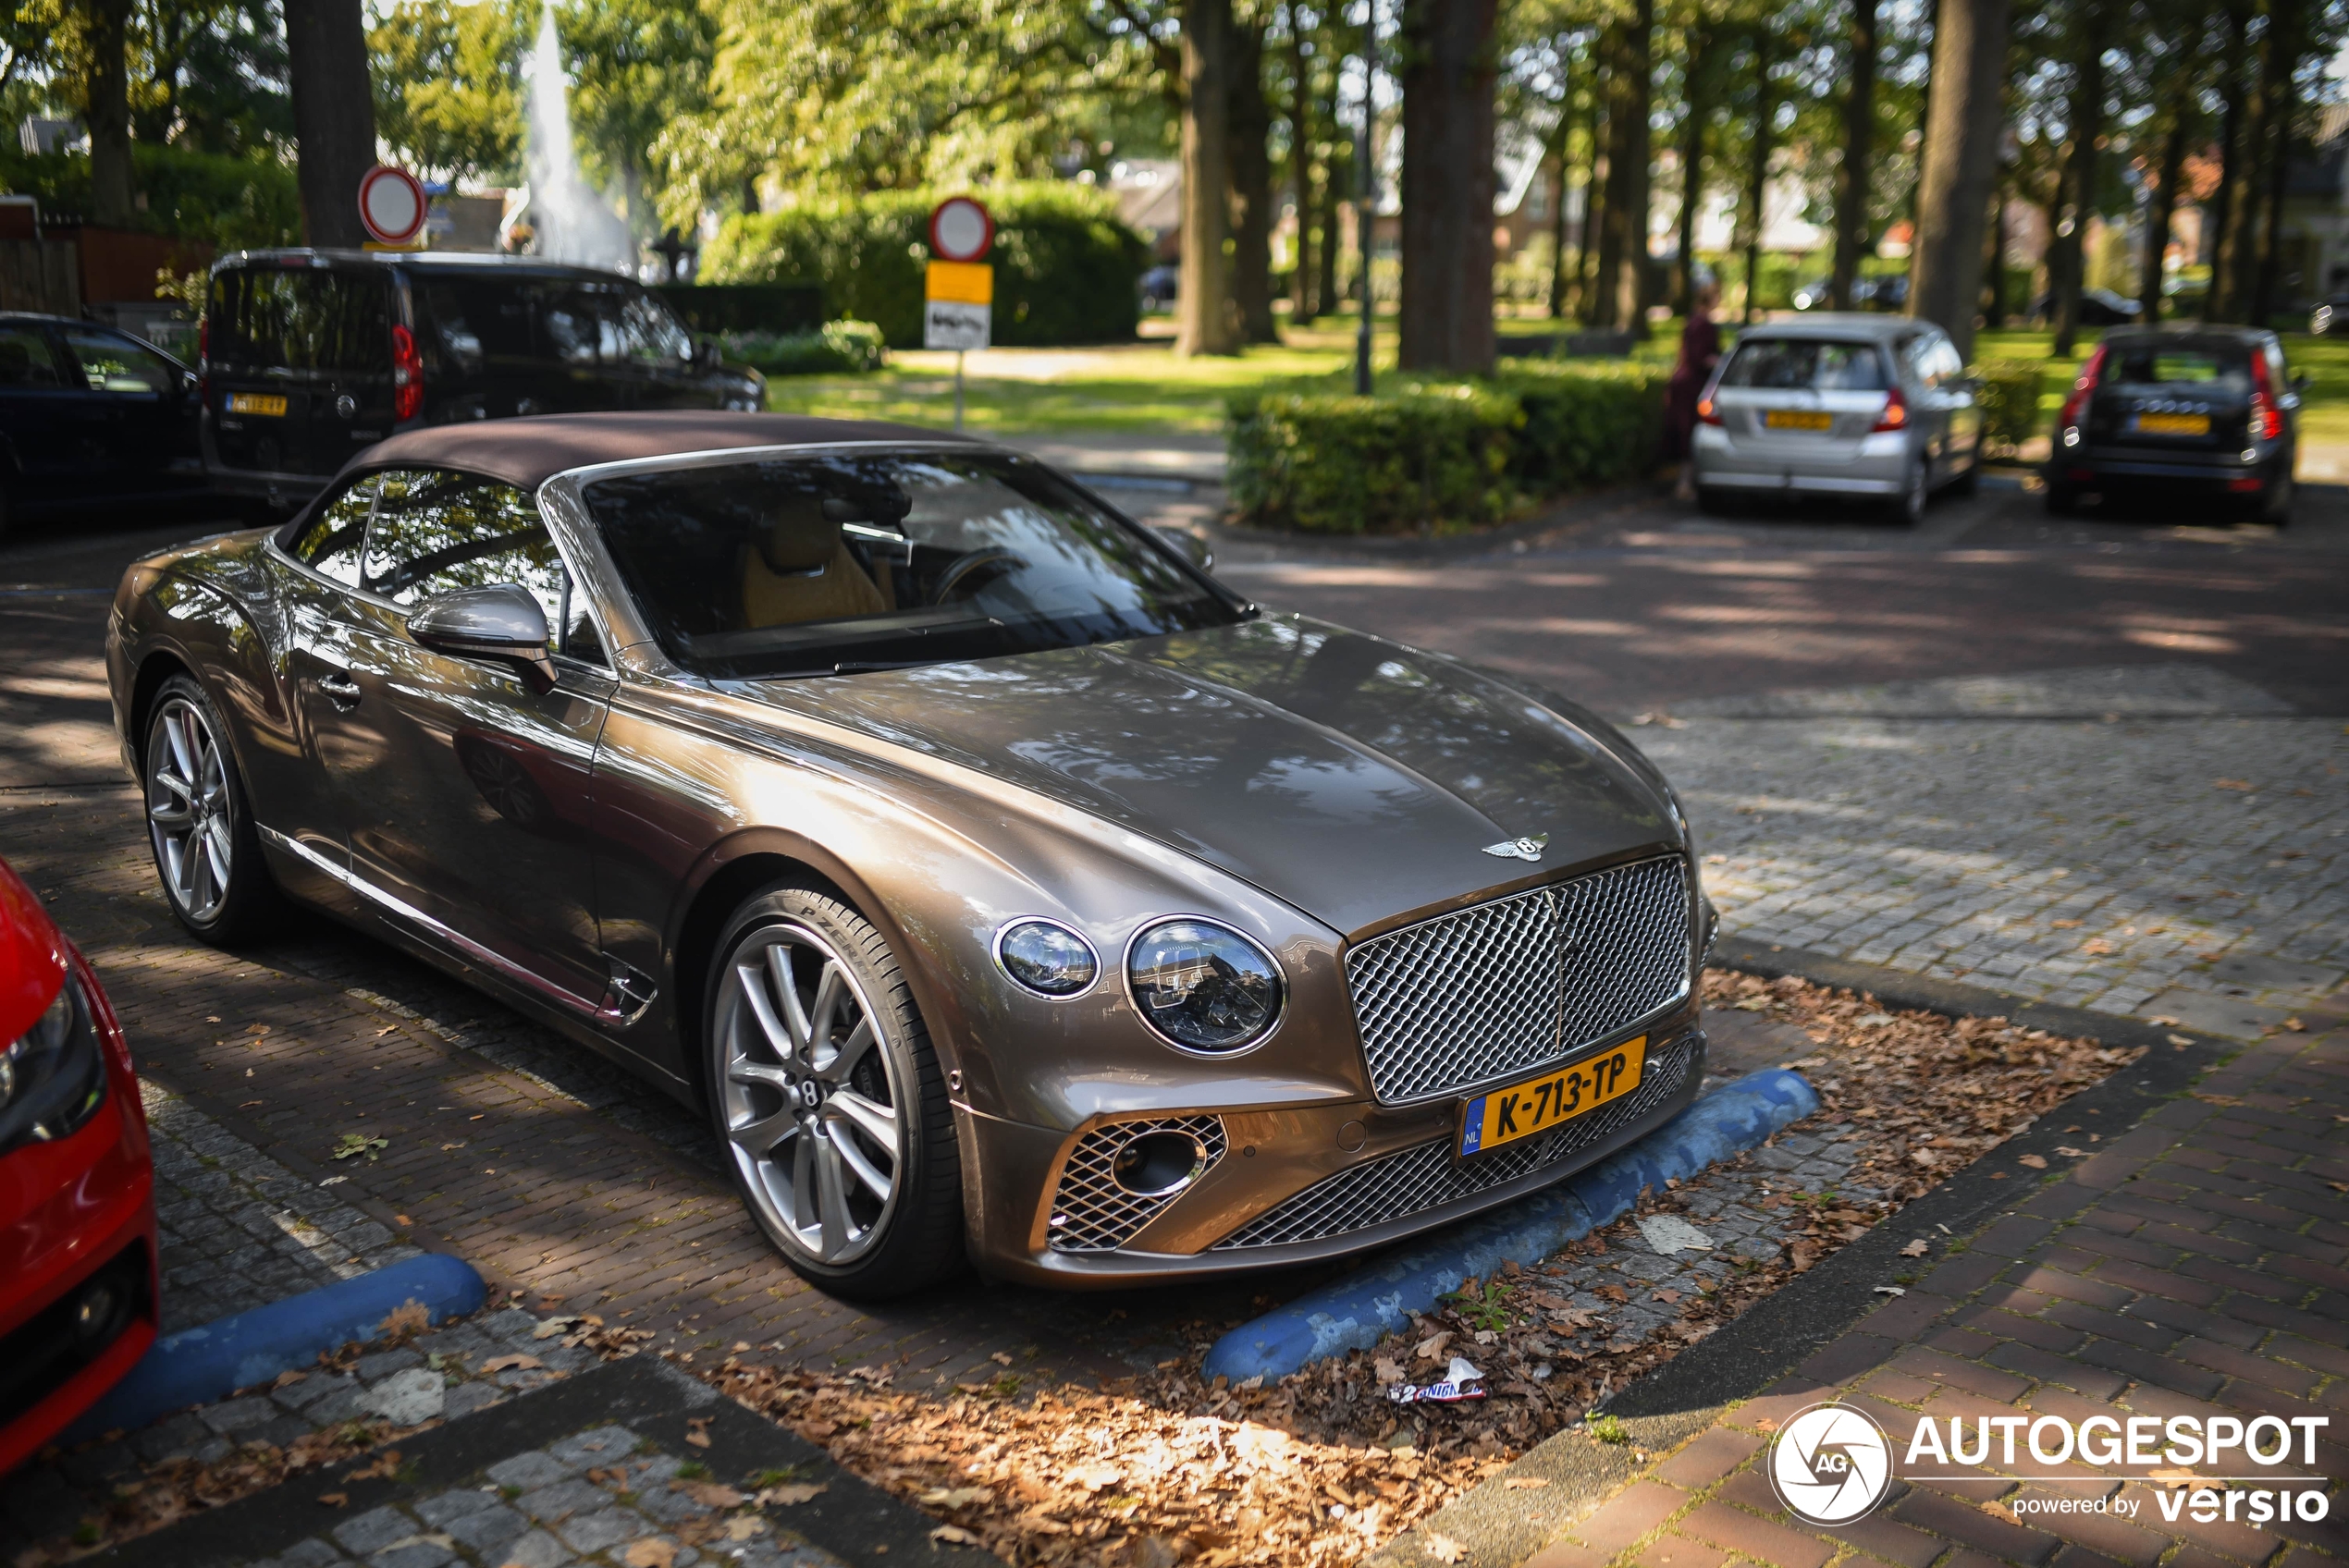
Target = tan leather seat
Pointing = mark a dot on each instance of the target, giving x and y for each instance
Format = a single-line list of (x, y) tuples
[(798, 569)]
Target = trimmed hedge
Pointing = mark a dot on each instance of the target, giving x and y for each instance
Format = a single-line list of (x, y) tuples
[(2008, 397), (1066, 266), (834, 346), (772, 309), (1441, 455)]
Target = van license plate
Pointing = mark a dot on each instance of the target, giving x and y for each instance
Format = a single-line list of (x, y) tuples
[(2173, 424), (1796, 419), (257, 403), (1538, 1104)]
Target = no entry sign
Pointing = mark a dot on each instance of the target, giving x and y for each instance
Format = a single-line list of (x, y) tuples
[(961, 230), (391, 205)]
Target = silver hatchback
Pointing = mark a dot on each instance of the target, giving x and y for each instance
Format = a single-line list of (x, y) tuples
[(1857, 406)]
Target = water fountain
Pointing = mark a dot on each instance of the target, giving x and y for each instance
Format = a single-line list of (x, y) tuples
[(572, 221)]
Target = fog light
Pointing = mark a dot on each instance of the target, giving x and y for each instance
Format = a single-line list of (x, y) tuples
[(94, 1314), (1158, 1165)]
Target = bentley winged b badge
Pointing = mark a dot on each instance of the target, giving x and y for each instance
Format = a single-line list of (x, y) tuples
[(1519, 848)]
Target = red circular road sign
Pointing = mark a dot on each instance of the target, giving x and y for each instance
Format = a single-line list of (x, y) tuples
[(961, 230), (391, 205)]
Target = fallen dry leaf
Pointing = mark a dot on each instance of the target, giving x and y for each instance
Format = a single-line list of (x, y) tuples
[(953, 1535), (2175, 1479), (2036, 1161), (2069, 1152), (697, 1432), (335, 1500), (1917, 1248), (955, 1497), (516, 1363), (709, 1494), (743, 1528), (791, 1494), (1443, 1549), (1524, 1483), (409, 1317), (651, 1553)]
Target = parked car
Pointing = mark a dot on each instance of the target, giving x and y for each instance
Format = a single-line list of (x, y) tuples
[(2194, 414), (2099, 307), (77, 1189), (1856, 405), (1890, 292), (310, 357), (1160, 287), (89, 415), (1001, 884)]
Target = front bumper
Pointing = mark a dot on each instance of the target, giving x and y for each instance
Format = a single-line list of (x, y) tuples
[(1284, 1187)]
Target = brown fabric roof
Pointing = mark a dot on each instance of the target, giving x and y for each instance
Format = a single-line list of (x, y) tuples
[(528, 452)]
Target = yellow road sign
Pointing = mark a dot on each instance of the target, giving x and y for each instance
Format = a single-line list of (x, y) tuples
[(966, 283)]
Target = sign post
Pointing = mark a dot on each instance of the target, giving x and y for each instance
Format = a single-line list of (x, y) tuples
[(958, 291), (392, 208)]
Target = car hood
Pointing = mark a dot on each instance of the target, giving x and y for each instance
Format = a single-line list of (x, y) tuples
[(1358, 781)]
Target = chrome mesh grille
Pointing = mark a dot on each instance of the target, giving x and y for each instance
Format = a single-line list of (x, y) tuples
[(1510, 985), (1090, 1211), (1417, 1180)]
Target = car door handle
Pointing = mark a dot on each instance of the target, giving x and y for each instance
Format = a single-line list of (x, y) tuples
[(341, 689)]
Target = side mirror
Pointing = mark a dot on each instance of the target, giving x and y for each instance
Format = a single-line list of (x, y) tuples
[(1191, 546), (2300, 381), (500, 622)]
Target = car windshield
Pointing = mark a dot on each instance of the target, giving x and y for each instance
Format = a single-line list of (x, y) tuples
[(2171, 364), (1817, 364), (833, 564)]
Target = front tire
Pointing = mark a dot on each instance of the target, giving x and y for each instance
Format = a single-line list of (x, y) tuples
[(199, 821), (1908, 508), (828, 1099)]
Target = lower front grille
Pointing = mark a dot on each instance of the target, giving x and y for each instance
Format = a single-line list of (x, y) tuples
[(1091, 1210), (1416, 1180)]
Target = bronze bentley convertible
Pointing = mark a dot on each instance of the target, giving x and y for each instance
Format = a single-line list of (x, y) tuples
[(999, 881)]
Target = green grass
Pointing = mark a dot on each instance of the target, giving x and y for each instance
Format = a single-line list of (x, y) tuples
[(1144, 388)]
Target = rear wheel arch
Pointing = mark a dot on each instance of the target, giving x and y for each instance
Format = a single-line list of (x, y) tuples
[(154, 670)]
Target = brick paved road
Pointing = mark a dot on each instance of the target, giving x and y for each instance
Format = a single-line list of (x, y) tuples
[(2198, 1267), (550, 1170)]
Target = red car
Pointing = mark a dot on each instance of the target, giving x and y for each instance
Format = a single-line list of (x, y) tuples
[(77, 1189)]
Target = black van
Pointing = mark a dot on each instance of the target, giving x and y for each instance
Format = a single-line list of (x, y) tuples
[(308, 357)]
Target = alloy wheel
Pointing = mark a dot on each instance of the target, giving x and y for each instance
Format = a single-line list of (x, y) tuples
[(188, 811), (811, 1094)]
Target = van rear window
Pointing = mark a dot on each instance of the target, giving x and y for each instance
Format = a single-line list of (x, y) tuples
[(299, 318), (489, 321), (2175, 366)]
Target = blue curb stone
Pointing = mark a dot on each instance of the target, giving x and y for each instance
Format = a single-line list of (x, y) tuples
[(199, 1365), (1358, 1311)]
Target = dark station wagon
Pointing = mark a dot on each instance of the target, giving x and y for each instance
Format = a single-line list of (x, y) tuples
[(310, 357), (2206, 416)]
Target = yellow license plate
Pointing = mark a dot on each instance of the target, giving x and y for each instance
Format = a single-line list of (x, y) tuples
[(1796, 419), (257, 403), (1538, 1104), (2173, 424)]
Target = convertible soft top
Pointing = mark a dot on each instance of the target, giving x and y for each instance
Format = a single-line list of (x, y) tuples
[(528, 452)]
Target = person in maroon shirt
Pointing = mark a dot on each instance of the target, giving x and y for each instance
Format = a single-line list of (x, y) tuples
[(1700, 351)]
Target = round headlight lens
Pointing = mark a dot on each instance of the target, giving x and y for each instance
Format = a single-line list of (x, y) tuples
[(1203, 986), (1049, 960)]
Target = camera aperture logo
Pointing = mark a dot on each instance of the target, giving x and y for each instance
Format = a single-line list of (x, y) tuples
[(1830, 1463)]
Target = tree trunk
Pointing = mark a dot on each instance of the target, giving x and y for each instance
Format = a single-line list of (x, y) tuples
[(2285, 42), (1960, 156), (1994, 309), (1757, 174), (1204, 320), (1700, 47), (1304, 303), (2246, 212), (2219, 210), (1251, 123), (333, 111), (1621, 285), (107, 110), (1593, 195), (1337, 176), (1858, 138), (2165, 200), (1562, 144), (2077, 190), (1447, 308)]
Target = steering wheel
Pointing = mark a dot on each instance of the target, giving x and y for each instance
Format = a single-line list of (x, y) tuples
[(974, 563)]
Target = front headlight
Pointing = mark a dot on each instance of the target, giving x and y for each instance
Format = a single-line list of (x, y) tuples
[(52, 1078), (1204, 987), (1046, 958)]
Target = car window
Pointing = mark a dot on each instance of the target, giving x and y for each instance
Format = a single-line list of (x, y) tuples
[(25, 360), (435, 532), (299, 318), (117, 364), (1816, 364), (2161, 365), (329, 542), (814, 565), (654, 333)]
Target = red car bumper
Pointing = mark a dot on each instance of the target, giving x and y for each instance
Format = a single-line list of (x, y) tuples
[(77, 1284)]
